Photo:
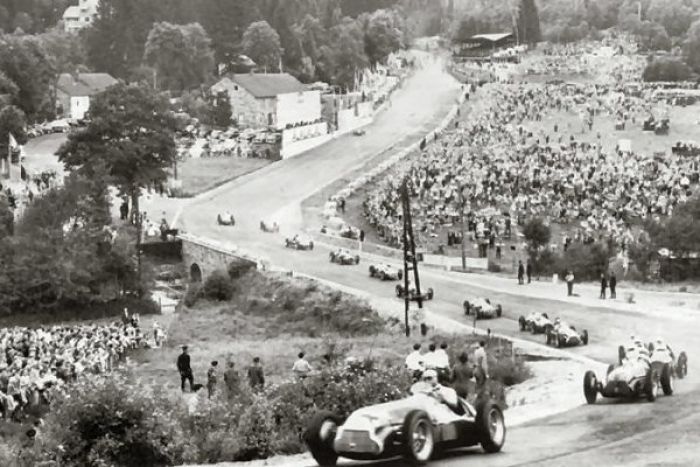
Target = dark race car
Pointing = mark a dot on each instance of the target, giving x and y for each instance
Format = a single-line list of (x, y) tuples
[(299, 242), (564, 335), (269, 227), (344, 258), (482, 308), (412, 293), (417, 428), (536, 323), (634, 377), (385, 272)]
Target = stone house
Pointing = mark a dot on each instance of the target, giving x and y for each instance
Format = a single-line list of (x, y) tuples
[(73, 92)]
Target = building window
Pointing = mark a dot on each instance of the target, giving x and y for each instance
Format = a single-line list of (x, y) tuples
[(235, 88)]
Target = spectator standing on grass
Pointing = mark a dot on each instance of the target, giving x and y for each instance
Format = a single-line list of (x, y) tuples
[(183, 366), (414, 362), (301, 367), (481, 359), (442, 363), (613, 285), (212, 378), (231, 380), (603, 286), (462, 374), (521, 273), (430, 359), (528, 270), (570, 283), (256, 375)]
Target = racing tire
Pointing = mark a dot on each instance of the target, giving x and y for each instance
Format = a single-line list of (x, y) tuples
[(667, 380), (550, 338), (590, 387), (399, 274), (399, 291), (331, 257), (545, 315), (371, 271), (467, 307), (431, 293), (311, 245), (357, 259), (382, 275), (522, 323), (584, 337), (611, 367), (319, 437), (418, 437), (491, 427), (682, 366), (499, 311), (287, 243), (650, 385), (621, 354), (560, 341)]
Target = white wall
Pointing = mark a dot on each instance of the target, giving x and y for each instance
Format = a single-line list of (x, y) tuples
[(78, 106), (298, 107)]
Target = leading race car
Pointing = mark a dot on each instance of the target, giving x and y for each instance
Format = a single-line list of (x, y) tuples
[(412, 293), (269, 227), (226, 219), (348, 231), (482, 308), (385, 272), (344, 257), (416, 428), (565, 335), (299, 242), (536, 323), (661, 353), (634, 377)]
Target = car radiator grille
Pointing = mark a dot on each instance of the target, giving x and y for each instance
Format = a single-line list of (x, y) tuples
[(356, 441)]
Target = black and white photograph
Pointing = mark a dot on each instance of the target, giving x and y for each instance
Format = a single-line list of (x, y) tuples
[(382, 233)]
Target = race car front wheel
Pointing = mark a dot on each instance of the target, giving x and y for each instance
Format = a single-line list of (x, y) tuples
[(419, 439), (590, 387), (650, 385), (491, 426), (319, 437), (666, 380)]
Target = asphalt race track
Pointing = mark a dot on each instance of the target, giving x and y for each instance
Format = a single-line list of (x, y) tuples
[(609, 433)]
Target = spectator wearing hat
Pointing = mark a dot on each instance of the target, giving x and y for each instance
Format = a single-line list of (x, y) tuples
[(184, 368), (212, 378), (414, 362), (430, 360)]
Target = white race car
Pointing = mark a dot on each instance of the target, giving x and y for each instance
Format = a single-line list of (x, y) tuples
[(564, 335), (385, 272), (634, 377), (269, 227), (299, 242), (226, 219), (416, 428), (482, 308)]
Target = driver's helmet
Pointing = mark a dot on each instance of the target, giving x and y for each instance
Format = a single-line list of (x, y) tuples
[(639, 343), (430, 376), (659, 344)]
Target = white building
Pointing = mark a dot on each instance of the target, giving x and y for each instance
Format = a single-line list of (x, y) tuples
[(276, 100), (73, 92), (80, 16)]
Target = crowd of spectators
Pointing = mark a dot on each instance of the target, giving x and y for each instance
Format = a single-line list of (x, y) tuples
[(35, 362), (490, 168)]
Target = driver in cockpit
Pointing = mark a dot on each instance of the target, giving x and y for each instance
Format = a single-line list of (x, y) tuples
[(429, 385)]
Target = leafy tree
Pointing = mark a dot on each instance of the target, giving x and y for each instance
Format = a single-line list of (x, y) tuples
[(221, 110), (653, 36), (680, 232), (528, 22), (691, 46), (674, 15), (12, 121), (382, 36), (666, 69), (537, 235), (180, 54), (65, 52), (345, 55), (225, 21), (7, 218), (262, 44), (130, 136), (24, 61)]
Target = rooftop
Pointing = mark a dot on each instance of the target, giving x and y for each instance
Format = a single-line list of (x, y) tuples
[(263, 85), (72, 12), (84, 84), (492, 37)]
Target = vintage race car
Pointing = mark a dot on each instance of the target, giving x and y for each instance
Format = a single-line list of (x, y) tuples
[(633, 378), (348, 231), (299, 242), (385, 272), (663, 354), (564, 335), (416, 427), (226, 219), (344, 257), (536, 323), (413, 294), (482, 308), (269, 227)]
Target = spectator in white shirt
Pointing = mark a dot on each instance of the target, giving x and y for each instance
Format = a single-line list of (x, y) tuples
[(301, 367), (430, 359), (414, 362)]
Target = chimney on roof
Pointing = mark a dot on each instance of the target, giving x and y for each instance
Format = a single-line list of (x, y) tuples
[(75, 75)]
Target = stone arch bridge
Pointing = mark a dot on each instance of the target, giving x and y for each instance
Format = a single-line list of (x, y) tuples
[(202, 256)]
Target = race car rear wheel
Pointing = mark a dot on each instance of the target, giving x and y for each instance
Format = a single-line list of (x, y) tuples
[(399, 274), (590, 387), (621, 354), (491, 426), (650, 385), (522, 323), (499, 310), (431, 293), (371, 271), (666, 379), (357, 259), (399, 291), (319, 437), (311, 245), (549, 338), (584, 337), (467, 307), (419, 439)]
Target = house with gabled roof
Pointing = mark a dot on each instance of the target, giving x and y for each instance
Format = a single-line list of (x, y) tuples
[(73, 92), (80, 16)]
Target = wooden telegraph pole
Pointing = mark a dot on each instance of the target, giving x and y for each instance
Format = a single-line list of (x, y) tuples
[(410, 262)]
